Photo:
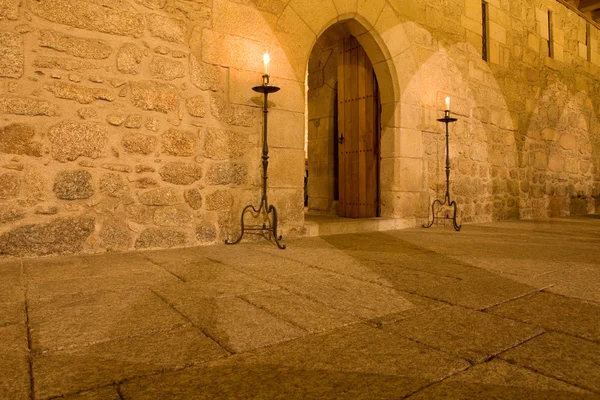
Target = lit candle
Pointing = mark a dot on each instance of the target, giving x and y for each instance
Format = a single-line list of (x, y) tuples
[(448, 103), (266, 59)]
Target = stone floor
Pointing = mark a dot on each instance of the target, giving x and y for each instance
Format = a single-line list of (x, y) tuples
[(505, 310)]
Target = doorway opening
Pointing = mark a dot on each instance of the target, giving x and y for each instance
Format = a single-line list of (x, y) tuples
[(343, 128)]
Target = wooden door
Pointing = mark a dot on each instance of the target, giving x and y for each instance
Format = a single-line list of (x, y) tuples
[(358, 133)]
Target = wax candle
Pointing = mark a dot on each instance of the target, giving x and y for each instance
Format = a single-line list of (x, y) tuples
[(266, 59), (448, 103)]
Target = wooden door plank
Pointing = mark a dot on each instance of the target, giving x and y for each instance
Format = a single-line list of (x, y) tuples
[(355, 132), (351, 168), (363, 134), (371, 185), (342, 174)]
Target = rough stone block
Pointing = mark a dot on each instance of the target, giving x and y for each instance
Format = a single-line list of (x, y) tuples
[(12, 62), (133, 121), (169, 29), (10, 185), (137, 143), (180, 173), (196, 106), (232, 114), (160, 197), (121, 20), (145, 183), (29, 107), (227, 173), (61, 236), (166, 68), (179, 143), (286, 129), (75, 46), (286, 168), (71, 140), (204, 76), (219, 200), (67, 64), (10, 213), (206, 232), (194, 198), (115, 235), (129, 58), (160, 238), (172, 216), (154, 96), (73, 185), (113, 184), (222, 145), (81, 94), (9, 9), (17, 139)]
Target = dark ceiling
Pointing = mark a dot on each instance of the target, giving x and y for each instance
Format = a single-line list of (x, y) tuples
[(590, 8)]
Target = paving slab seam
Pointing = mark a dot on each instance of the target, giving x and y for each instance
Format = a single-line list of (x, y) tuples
[(29, 350), (117, 384), (550, 376), (119, 392), (534, 291), (113, 339), (163, 268), (271, 313), (230, 352), (381, 324), (440, 380), (592, 302), (495, 355), (432, 272)]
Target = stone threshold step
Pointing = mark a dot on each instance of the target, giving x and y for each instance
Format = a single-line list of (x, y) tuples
[(323, 225)]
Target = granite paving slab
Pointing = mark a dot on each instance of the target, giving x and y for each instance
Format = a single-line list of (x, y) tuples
[(500, 380), (564, 357), (478, 292), (359, 348), (77, 369), (236, 324), (14, 363), (300, 311), (221, 281), (104, 393), (469, 334), (12, 313), (11, 282), (554, 312), (80, 319), (86, 266), (359, 298), (268, 381)]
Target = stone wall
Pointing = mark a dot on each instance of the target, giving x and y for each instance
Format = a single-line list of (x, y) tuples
[(132, 124), (116, 134)]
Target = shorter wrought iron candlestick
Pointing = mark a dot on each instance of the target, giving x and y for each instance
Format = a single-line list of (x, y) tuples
[(265, 210), (446, 120)]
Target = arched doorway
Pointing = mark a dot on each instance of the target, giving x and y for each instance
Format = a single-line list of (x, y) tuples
[(343, 129)]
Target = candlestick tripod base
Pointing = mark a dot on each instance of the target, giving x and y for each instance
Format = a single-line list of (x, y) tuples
[(268, 228), (446, 120), (447, 216)]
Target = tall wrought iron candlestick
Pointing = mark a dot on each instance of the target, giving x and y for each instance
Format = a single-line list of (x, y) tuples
[(446, 120), (269, 225)]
